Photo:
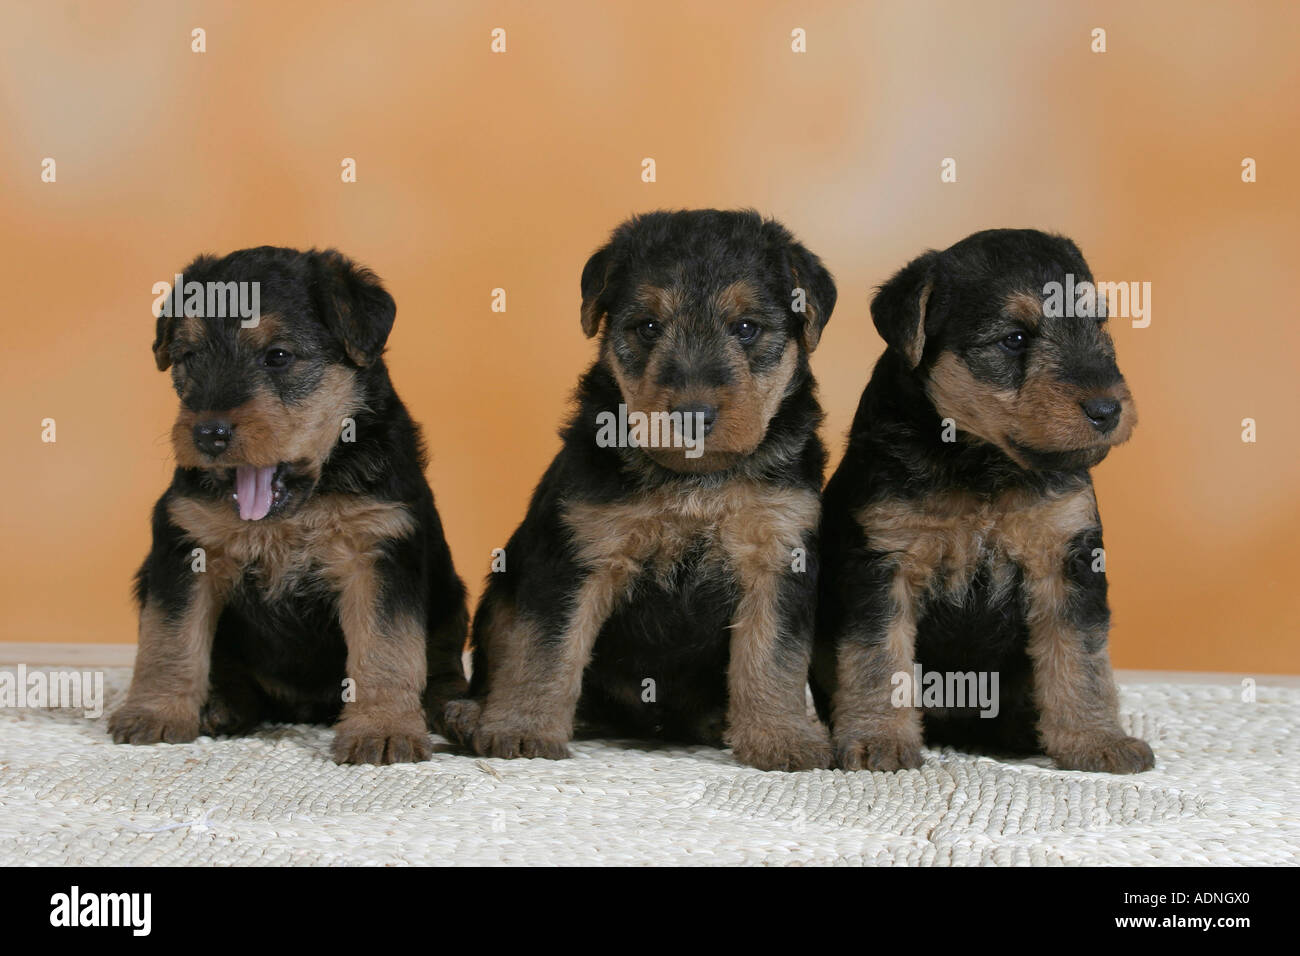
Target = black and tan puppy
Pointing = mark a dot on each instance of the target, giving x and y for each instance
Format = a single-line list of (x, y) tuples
[(666, 589), (961, 532), (299, 570)]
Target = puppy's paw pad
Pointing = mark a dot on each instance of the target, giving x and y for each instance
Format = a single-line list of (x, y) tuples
[(495, 740), (802, 745), (138, 724), (885, 754), (1114, 755)]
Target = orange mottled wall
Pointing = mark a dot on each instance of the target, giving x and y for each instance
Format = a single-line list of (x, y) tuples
[(481, 170)]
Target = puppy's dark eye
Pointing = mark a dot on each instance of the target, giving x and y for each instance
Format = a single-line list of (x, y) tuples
[(277, 358), (649, 331), (1015, 343), (746, 331)]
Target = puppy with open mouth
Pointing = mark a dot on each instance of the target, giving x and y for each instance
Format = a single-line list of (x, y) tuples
[(299, 570), (960, 532)]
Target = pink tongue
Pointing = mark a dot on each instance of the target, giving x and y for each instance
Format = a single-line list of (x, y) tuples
[(253, 485)]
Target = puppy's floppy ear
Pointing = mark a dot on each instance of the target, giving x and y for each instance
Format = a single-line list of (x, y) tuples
[(818, 293), (165, 327), (809, 292), (596, 289), (353, 304), (903, 309), (162, 342)]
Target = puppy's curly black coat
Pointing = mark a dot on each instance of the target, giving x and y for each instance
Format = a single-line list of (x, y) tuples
[(299, 570), (961, 530), (648, 592)]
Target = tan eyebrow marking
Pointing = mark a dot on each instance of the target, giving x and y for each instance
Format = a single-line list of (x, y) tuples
[(663, 302), (1025, 306), (737, 298), (267, 330)]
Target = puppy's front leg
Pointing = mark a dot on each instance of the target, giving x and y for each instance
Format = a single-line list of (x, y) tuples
[(536, 673), (768, 724), (870, 732), (178, 619), (1073, 687), (385, 722)]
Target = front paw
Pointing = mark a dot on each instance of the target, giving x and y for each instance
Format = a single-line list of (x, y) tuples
[(511, 738), (1116, 754), (373, 740), (151, 724), (799, 744), (882, 753)]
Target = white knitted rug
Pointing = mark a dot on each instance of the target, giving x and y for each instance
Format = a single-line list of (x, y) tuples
[(1226, 790)]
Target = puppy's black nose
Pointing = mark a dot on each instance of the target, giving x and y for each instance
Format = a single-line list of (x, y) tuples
[(212, 436), (710, 413), (1102, 412)]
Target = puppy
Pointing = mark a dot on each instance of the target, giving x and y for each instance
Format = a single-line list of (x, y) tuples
[(960, 535), (299, 571), (664, 588)]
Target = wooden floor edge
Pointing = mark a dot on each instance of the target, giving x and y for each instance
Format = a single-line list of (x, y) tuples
[(62, 655)]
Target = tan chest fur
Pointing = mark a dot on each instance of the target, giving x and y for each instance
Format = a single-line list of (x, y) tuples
[(332, 536), (942, 540), (749, 528)]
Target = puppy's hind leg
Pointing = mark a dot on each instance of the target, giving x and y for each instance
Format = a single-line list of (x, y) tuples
[(235, 704), (445, 685)]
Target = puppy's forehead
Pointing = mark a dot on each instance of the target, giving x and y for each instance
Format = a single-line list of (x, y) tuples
[(714, 263), (693, 253), (270, 328), (723, 296), (1028, 306), (283, 285), (1008, 251), (1013, 289)]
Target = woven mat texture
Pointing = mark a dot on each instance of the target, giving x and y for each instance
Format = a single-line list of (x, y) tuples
[(1226, 790)]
